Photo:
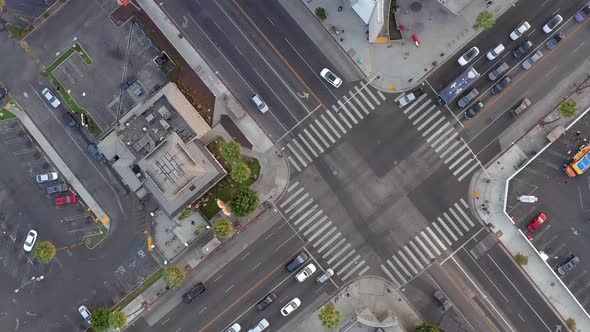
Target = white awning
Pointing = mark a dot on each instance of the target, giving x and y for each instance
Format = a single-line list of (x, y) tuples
[(364, 9)]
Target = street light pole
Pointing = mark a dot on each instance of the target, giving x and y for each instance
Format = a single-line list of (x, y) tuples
[(33, 279)]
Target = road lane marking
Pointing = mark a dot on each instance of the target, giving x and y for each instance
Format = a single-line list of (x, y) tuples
[(218, 277), (230, 287), (552, 69), (200, 312), (245, 256), (577, 47), (486, 275)]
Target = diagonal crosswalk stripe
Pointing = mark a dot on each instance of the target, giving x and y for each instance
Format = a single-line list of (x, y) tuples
[(358, 102), (380, 94), (329, 124), (334, 247), (308, 212), (425, 123), (451, 148), (311, 219), (343, 259), (325, 236), (364, 270), (334, 238), (459, 219), (294, 164), (467, 172), (410, 265), (315, 131), (345, 109), (304, 196), (397, 272), (372, 96), (336, 121), (327, 133), (307, 145), (313, 140), (296, 143), (422, 114), (447, 229), (412, 105), (355, 110), (333, 258), (419, 252), (345, 120), (436, 239), (293, 186), (356, 267), (294, 152), (433, 126), (361, 93), (290, 198), (402, 266), (464, 215), (319, 231), (453, 224), (386, 270), (426, 249)]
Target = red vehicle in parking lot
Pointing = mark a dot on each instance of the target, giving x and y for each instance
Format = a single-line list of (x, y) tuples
[(537, 222), (65, 200)]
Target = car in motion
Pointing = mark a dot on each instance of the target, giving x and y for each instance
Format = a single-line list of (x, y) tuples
[(498, 71), (583, 13), (473, 110), (500, 86), (444, 302), (537, 222), (260, 326), (468, 56), (30, 240), (290, 307), (85, 313), (524, 104), (468, 98), (522, 49), (296, 262), (192, 294), (234, 328), (520, 30), (494, 52), (46, 177), (266, 301), (551, 43), (530, 62), (552, 23), (260, 104), (331, 77), (50, 98), (410, 97), (306, 272), (66, 200), (569, 265)]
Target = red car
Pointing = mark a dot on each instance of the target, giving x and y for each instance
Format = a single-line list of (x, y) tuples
[(537, 222), (69, 199)]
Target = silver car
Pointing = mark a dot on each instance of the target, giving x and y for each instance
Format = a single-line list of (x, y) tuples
[(46, 177), (468, 98), (50, 98), (528, 63)]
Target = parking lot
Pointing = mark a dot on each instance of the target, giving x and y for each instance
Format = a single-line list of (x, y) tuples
[(565, 201)]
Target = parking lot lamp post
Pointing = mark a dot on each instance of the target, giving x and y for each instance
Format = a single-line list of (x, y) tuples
[(33, 279)]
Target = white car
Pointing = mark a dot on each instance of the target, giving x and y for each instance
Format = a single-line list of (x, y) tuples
[(85, 313), (260, 326), (468, 56), (330, 77), (552, 24), (494, 52), (46, 177), (260, 104), (30, 240), (290, 307), (234, 328), (50, 98), (306, 272), (520, 30)]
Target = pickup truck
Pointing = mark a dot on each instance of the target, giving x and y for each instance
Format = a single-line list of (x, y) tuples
[(60, 188), (521, 107), (410, 97)]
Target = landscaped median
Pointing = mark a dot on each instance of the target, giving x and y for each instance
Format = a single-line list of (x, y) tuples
[(76, 48), (5, 114), (91, 241)]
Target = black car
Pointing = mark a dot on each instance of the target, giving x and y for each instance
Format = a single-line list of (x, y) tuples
[(3, 92), (194, 292), (296, 262), (501, 85), (96, 154), (444, 302), (471, 112), (551, 43), (266, 301), (71, 120), (523, 49)]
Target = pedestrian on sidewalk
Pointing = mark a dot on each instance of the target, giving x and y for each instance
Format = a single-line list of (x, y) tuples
[(578, 133)]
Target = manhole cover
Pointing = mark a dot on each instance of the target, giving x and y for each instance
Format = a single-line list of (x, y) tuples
[(416, 6)]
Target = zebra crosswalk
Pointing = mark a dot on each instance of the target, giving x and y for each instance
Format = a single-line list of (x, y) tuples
[(321, 133), (429, 244), (314, 225), (442, 136)]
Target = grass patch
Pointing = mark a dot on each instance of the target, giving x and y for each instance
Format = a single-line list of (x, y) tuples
[(78, 48), (226, 187), (5, 114), (17, 32), (93, 240), (139, 290)]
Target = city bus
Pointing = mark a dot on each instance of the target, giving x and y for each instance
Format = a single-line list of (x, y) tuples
[(458, 86)]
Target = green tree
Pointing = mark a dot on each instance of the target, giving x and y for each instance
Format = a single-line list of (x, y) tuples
[(571, 324), (330, 316), (174, 275), (117, 319), (426, 327), (223, 228), (244, 201), (231, 152), (485, 20), (100, 319), (320, 12), (240, 172), (568, 108), (45, 251), (521, 259)]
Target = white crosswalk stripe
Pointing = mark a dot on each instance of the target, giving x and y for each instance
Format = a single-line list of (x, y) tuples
[(324, 237), (402, 266), (453, 224), (294, 152), (343, 118), (404, 280), (312, 218), (359, 103), (293, 186), (380, 94), (353, 269), (315, 131), (444, 236), (440, 221), (364, 270), (348, 265), (423, 114), (313, 140), (354, 109), (368, 91), (408, 108), (317, 122), (334, 238), (410, 265), (296, 143), (294, 164), (306, 145), (329, 124), (336, 122), (386, 270), (345, 109), (306, 213)]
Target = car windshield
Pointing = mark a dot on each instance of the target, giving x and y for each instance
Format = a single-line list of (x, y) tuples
[(330, 76), (586, 10)]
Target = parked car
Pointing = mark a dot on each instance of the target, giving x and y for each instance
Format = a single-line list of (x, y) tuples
[(468, 98), (66, 200), (325, 276), (536, 223), (520, 30), (266, 301), (306, 272), (551, 43), (444, 302), (93, 151), (3, 93), (60, 188), (194, 292), (494, 52), (260, 104), (473, 110), (331, 77), (30, 240), (569, 265), (500, 86), (552, 23), (260, 326), (410, 97), (234, 328), (468, 56), (296, 262), (530, 62), (85, 313), (524, 104), (290, 307), (498, 71), (50, 98), (583, 14), (46, 177), (71, 120), (523, 49)]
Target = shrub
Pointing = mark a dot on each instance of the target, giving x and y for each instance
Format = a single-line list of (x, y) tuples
[(485, 20), (223, 228), (174, 275), (320, 12), (244, 201), (521, 259)]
